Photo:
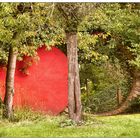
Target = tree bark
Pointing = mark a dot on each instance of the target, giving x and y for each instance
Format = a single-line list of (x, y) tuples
[(134, 93), (9, 93), (74, 92)]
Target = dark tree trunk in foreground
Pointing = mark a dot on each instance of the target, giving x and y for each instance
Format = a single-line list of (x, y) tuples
[(134, 93), (74, 97), (8, 100)]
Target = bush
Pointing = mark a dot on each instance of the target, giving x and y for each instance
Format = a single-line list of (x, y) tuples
[(103, 82)]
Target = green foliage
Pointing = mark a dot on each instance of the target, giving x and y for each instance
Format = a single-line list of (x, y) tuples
[(91, 49), (68, 123), (26, 114), (70, 15), (25, 27), (107, 32), (115, 33), (99, 83), (123, 24)]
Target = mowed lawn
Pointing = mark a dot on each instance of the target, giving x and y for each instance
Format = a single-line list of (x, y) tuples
[(32, 125)]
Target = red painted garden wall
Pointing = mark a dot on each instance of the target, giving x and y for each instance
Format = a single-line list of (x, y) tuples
[(45, 86)]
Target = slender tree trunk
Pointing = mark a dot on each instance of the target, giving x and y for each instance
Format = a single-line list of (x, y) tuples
[(1, 102), (134, 93), (87, 89), (74, 92), (119, 96), (8, 100)]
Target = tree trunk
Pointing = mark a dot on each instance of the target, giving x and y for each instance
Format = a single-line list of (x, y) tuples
[(87, 90), (119, 96), (134, 93), (74, 92), (8, 99)]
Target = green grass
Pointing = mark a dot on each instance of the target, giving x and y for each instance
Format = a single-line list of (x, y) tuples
[(29, 124)]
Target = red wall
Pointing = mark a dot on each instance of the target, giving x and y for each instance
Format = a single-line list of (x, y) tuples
[(45, 88)]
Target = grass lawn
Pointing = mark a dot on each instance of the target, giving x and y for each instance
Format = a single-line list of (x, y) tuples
[(35, 125)]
